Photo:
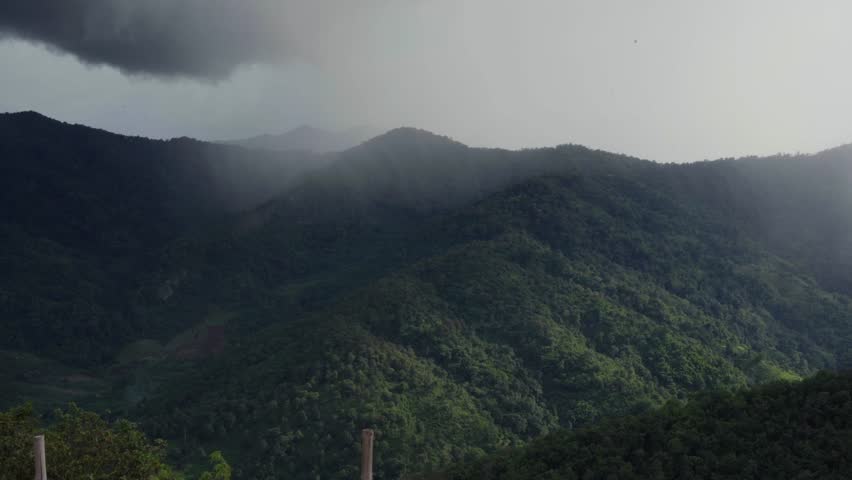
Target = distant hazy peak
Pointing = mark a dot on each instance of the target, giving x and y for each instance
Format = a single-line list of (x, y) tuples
[(842, 150), (410, 136), (308, 138)]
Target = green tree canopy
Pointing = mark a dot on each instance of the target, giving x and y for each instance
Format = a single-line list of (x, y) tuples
[(82, 445)]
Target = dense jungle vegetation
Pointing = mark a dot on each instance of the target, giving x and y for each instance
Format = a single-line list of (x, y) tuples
[(782, 430), (460, 301)]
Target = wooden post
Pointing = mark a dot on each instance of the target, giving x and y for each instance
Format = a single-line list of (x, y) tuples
[(367, 454), (40, 463)]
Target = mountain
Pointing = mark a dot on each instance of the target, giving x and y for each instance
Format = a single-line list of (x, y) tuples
[(84, 210), (778, 431), (418, 286), (51, 168), (308, 139), (797, 206), (554, 303)]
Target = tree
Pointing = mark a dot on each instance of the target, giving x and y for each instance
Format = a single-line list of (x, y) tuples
[(81, 444)]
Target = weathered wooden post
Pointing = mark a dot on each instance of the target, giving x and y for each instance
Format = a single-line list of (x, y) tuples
[(40, 462), (367, 454)]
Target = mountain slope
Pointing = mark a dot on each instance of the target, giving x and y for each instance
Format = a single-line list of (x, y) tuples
[(85, 210), (52, 173), (413, 284), (800, 430), (797, 206), (554, 303)]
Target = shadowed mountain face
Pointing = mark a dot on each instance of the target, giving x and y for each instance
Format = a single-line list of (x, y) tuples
[(779, 431), (84, 210), (411, 284), (309, 139), (55, 175)]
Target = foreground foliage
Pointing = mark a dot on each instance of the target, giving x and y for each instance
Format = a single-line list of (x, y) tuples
[(81, 445)]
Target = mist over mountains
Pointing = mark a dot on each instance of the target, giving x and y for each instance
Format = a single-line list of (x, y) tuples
[(192, 290), (271, 302), (309, 139)]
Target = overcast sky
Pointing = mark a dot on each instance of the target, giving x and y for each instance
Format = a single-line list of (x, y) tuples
[(674, 80)]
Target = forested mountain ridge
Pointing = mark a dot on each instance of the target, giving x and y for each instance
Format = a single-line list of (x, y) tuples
[(49, 166), (413, 283), (552, 304), (797, 206), (777, 431), (85, 210)]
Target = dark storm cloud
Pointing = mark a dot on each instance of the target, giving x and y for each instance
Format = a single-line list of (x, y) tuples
[(196, 38), (649, 78)]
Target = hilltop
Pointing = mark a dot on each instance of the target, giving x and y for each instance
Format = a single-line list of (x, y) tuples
[(308, 139)]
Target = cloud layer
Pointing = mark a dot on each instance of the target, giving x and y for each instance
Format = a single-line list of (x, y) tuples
[(665, 79), (194, 38)]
